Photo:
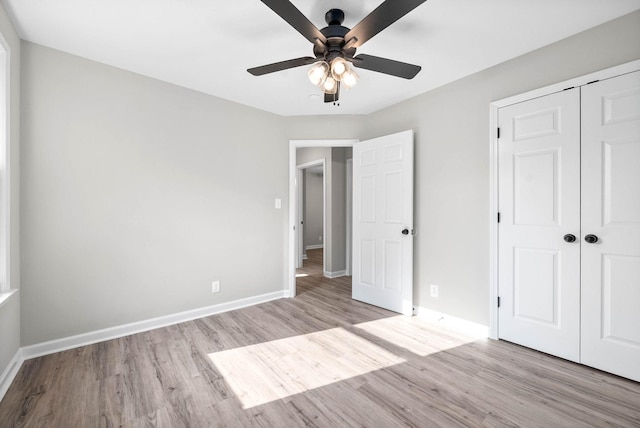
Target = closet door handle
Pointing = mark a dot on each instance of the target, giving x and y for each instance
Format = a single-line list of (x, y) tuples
[(569, 238), (591, 239)]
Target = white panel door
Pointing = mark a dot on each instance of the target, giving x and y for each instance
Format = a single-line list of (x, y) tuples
[(611, 212), (539, 203), (383, 222)]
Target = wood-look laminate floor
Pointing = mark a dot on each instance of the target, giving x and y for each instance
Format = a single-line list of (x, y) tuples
[(319, 360)]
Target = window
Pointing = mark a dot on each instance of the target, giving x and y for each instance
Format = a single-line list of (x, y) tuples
[(5, 284)]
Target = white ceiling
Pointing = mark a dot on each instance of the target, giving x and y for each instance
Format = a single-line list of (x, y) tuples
[(207, 45)]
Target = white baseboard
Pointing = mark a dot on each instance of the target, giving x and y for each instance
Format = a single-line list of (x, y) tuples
[(459, 324), (335, 274), (9, 374), (58, 345), (314, 247)]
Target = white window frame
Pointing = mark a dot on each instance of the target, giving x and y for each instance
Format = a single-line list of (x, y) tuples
[(5, 196)]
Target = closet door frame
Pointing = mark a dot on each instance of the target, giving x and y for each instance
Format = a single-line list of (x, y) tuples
[(493, 168)]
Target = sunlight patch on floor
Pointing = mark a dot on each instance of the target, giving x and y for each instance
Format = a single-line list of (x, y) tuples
[(269, 371), (301, 275), (414, 334)]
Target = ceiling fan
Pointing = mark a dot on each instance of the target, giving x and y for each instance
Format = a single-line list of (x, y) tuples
[(334, 46)]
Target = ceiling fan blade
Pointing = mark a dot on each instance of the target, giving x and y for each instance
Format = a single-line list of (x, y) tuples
[(382, 16), (282, 65), (287, 11), (386, 66)]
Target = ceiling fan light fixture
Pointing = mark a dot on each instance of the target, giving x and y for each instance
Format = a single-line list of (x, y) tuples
[(334, 46), (350, 78), (339, 66), (318, 73), (330, 85)]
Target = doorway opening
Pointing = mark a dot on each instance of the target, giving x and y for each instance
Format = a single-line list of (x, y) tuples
[(311, 212), (382, 216), (334, 230)]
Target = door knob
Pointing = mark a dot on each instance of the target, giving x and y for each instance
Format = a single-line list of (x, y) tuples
[(591, 239), (569, 238), (405, 231)]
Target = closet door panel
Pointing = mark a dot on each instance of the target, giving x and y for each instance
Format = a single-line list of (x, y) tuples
[(539, 203), (610, 199)]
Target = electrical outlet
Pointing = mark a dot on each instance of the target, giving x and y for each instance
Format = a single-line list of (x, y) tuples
[(215, 286), (434, 290), (320, 238)]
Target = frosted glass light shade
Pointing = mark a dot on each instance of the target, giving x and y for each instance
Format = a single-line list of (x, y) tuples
[(318, 72), (339, 66), (330, 85), (350, 78)]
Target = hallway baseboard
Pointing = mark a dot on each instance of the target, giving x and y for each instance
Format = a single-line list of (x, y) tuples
[(335, 274)]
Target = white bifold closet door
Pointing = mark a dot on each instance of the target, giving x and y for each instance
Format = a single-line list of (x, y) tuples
[(611, 212), (569, 236)]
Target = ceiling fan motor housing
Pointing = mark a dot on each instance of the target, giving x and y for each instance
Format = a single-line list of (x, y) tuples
[(334, 32), (334, 17)]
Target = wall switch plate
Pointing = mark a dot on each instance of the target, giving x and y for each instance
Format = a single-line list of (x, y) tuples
[(278, 203), (215, 286), (434, 290)]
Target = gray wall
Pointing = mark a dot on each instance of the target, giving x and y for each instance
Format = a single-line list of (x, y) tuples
[(324, 128), (338, 208), (10, 311), (452, 159), (137, 194), (135, 197), (313, 209)]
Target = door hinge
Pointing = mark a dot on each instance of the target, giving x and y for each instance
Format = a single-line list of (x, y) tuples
[(498, 301), (498, 133), (498, 217), (566, 89), (593, 81)]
